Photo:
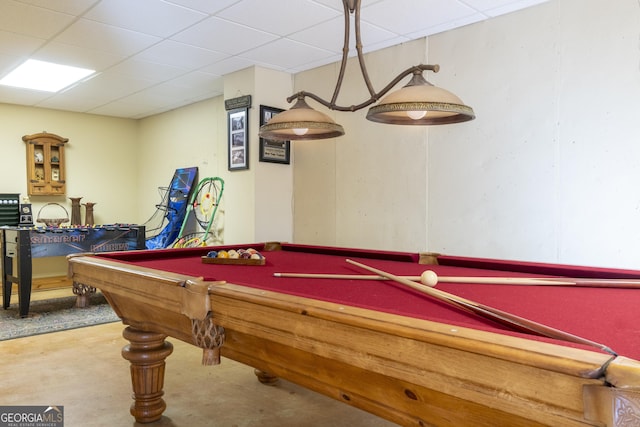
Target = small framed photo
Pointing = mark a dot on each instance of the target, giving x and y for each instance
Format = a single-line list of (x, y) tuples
[(273, 151), (238, 145)]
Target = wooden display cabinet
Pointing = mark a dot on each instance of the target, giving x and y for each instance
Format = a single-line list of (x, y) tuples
[(45, 164)]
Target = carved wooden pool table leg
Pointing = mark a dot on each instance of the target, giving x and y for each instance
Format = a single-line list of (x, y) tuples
[(266, 377), (147, 352)]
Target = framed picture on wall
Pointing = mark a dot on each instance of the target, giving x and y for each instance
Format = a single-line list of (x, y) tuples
[(273, 151), (238, 130)]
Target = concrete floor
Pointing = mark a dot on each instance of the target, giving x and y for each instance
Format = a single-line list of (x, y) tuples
[(83, 371)]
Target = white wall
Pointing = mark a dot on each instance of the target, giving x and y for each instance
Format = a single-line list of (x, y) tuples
[(367, 188), (274, 181), (498, 195), (548, 170), (101, 159)]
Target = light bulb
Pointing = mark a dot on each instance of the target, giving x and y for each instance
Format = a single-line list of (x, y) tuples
[(300, 131), (416, 115)]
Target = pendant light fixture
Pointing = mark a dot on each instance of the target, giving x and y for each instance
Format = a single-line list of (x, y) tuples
[(418, 103)]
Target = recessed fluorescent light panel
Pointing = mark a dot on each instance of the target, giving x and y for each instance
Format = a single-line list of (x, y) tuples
[(45, 76)]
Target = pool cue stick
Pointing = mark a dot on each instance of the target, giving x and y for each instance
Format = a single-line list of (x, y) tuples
[(441, 279), (545, 281), (516, 281), (337, 276), (487, 312)]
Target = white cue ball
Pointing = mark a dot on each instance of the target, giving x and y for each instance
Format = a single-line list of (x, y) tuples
[(429, 278)]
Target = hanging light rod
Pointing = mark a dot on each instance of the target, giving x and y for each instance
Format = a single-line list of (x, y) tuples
[(417, 103)]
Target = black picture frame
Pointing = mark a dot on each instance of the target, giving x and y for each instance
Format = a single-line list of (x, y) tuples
[(273, 151), (238, 131)]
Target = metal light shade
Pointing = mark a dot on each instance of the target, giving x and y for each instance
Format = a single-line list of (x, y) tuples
[(301, 122), (420, 103)]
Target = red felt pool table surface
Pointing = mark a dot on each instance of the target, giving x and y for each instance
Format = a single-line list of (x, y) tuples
[(378, 345), (605, 315)]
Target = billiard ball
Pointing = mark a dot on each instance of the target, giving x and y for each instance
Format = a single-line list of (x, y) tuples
[(429, 278), (233, 254), (223, 254), (212, 254)]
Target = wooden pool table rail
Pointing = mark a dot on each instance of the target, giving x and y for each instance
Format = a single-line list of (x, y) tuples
[(412, 372)]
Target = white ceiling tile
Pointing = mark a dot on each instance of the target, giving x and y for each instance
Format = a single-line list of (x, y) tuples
[(150, 97), (201, 96), (315, 64), (446, 26), (330, 36), (223, 36), (512, 7), (74, 101), (105, 38), (196, 81), (270, 15), (12, 95), (165, 91), (145, 16), (484, 5), (63, 53), (206, 6), (334, 4), (7, 64), (400, 16), (337, 4), (71, 7), (228, 65), (124, 109), (285, 54), (171, 52), (146, 101), (110, 86), (153, 72), (18, 44), (181, 91), (22, 18), (386, 43)]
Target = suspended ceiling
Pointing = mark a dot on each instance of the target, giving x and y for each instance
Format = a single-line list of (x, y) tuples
[(153, 56)]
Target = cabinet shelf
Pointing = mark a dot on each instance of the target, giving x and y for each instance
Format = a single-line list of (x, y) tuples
[(45, 164)]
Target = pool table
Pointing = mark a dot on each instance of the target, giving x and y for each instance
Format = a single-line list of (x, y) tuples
[(378, 345)]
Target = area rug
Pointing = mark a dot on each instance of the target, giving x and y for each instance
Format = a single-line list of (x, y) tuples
[(54, 315)]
